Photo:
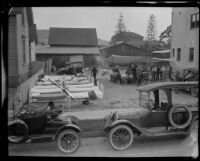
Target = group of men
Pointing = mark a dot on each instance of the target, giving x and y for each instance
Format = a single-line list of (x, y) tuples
[(160, 73), (138, 73)]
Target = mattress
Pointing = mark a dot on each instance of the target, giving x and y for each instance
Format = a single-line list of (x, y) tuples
[(76, 89), (48, 96), (76, 82), (46, 90), (88, 85), (43, 83), (45, 87)]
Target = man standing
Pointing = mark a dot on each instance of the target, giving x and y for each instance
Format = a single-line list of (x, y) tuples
[(154, 70), (94, 73), (158, 73), (139, 75), (133, 68)]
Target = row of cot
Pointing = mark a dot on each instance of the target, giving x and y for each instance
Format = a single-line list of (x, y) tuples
[(78, 87)]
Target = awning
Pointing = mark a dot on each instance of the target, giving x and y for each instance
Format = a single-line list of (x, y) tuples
[(67, 50), (161, 52), (128, 59)]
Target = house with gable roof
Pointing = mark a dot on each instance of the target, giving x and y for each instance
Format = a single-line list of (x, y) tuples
[(70, 45)]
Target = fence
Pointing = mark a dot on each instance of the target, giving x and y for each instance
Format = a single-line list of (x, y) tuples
[(21, 93)]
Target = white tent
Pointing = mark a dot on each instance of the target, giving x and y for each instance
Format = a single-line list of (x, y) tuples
[(116, 59)]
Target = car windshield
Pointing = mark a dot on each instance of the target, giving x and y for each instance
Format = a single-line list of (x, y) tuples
[(143, 99)]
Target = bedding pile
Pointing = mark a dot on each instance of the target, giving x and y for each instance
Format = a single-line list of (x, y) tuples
[(79, 88)]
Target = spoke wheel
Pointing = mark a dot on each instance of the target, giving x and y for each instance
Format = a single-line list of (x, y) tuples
[(194, 131), (194, 92), (121, 137), (17, 131), (68, 141)]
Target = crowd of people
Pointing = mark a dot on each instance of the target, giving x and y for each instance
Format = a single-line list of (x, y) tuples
[(141, 72)]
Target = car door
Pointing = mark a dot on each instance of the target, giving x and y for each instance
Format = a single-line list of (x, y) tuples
[(158, 115)]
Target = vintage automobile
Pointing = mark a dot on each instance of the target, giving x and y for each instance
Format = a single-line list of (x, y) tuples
[(189, 74), (194, 77), (153, 117), (73, 69)]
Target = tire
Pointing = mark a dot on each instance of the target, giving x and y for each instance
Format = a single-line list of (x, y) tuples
[(116, 130), (194, 92), (17, 131), (173, 123), (194, 131), (68, 138)]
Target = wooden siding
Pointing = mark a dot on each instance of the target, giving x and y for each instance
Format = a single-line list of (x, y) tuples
[(12, 46), (22, 30), (21, 93)]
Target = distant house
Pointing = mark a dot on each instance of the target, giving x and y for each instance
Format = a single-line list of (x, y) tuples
[(102, 43), (185, 37), (22, 37), (122, 49), (130, 37), (43, 36), (70, 45)]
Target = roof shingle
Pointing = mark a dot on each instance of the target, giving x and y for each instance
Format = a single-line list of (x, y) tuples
[(73, 36)]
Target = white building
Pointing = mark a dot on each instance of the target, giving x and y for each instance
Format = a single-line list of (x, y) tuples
[(185, 37)]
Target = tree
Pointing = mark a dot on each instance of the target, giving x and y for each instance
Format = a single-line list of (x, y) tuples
[(165, 37), (151, 28), (120, 25)]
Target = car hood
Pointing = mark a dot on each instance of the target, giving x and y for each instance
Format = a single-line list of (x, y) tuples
[(135, 112)]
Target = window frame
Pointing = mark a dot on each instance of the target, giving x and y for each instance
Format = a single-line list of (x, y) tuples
[(194, 22), (178, 58), (24, 49), (191, 60), (22, 19), (173, 52)]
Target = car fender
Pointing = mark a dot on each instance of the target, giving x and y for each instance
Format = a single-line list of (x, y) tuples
[(192, 122), (68, 126), (125, 122)]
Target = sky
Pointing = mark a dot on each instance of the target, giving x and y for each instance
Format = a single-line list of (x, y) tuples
[(104, 19)]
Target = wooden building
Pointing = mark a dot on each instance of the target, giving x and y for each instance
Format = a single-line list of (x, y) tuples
[(70, 45), (123, 49), (22, 37)]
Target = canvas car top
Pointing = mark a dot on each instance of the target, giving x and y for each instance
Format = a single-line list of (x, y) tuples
[(162, 85)]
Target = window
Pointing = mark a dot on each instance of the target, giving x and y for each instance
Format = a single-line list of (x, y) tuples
[(178, 54), (191, 55), (195, 20), (173, 52), (24, 49), (22, 18)]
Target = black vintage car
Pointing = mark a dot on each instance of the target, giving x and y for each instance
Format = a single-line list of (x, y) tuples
[(153, 116)]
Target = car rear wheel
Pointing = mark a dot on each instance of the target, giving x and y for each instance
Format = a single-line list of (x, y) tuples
[(68, 141), (17, 131), (194, 92), (121, 137), (180, 116)]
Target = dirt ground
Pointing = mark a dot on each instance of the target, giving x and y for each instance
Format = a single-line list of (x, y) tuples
[(127, 96), (117, 96)]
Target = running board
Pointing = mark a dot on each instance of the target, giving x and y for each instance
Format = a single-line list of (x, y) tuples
[(155, 132), (41, 138)]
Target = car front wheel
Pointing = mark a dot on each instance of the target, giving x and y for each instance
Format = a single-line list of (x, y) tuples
[(68, 141), (121, 137)]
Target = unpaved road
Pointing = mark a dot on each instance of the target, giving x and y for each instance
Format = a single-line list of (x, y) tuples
[(99, 147)]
